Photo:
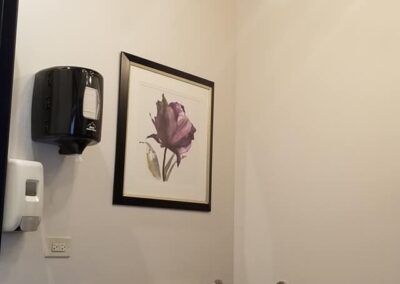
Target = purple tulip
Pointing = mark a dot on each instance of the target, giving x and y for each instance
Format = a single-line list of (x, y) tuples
[(174, 129)]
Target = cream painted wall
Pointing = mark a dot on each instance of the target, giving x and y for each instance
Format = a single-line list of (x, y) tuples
[(318, 135), (115, 244)]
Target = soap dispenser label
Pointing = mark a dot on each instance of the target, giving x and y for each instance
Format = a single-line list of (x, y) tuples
[(91, 127)]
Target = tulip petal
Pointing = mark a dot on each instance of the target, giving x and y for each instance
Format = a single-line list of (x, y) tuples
[(174, 129), (184, 130), (180, 151), (165, 121)]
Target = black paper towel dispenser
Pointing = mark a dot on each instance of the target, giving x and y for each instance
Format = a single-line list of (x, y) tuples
[(67, 108)]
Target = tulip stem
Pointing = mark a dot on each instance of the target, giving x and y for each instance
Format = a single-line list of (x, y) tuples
[(163, 167)]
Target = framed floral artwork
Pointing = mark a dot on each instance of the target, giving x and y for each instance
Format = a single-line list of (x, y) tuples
[(164, 137)]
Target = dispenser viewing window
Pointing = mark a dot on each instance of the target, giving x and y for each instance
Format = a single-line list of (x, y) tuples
[(67, 108)]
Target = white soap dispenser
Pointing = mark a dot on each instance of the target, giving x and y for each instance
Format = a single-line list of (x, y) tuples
[(23, 204)]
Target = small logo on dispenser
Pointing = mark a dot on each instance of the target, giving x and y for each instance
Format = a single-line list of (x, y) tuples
[(91, 127)]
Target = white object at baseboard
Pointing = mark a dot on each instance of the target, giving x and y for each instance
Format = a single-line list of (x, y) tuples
[(23, 204)]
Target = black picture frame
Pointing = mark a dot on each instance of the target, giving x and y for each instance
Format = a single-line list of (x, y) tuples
[(8, 29), (127, 60)]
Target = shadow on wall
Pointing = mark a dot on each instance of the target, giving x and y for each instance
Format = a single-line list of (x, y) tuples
[(13, 240), (54, 164)]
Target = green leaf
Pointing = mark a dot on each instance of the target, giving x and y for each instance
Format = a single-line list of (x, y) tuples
[(152, 161)]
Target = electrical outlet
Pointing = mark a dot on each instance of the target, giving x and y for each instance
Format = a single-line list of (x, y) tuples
[(58, 247)]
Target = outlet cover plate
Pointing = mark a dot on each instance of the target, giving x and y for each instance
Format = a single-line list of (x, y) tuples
[(58, 247)]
